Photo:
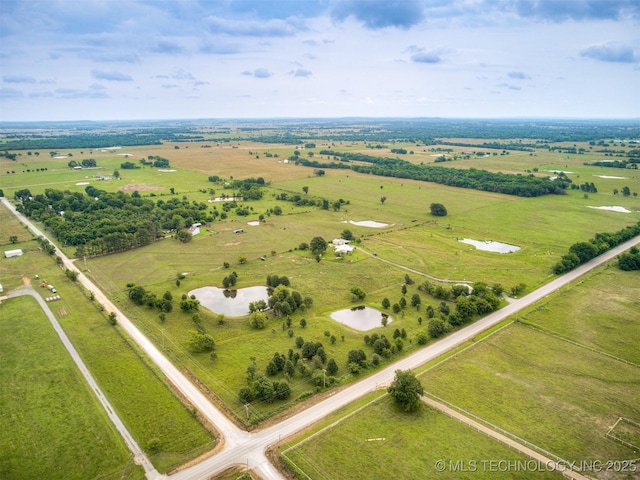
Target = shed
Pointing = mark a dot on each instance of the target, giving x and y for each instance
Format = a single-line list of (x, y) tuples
[(239, 230), (13, 253)]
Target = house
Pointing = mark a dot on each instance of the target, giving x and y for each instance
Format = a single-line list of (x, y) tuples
[(195, 229), (344, 249), (13, 253), (340, 241)]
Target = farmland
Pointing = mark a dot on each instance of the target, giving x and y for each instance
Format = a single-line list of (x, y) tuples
[(413, 243)]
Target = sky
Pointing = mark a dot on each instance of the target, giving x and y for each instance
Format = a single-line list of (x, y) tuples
[(179, 59)]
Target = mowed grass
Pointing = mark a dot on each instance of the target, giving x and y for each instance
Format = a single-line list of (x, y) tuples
[(138, 392), (546, 390), (558, 396), (602, 312), (51, 425), (383, 442)]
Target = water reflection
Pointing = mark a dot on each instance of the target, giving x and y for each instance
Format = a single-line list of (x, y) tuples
[(233, 303)]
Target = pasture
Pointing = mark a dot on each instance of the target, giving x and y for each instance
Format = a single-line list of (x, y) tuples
[(560, 385), (159, 422), (544, 228), (52, 426)]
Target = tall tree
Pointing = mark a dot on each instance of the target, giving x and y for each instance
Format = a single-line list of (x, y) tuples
[(406, 390)]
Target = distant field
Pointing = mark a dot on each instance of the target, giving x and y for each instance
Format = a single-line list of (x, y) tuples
[(52, 426)]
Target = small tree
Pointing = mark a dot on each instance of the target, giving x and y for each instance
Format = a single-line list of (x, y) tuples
[(438, 210), (357, 294), (406, 390)]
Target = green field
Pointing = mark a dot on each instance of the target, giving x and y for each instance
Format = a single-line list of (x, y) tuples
[(543, 227), (560, 394), (138, 392), (52, 425), (382, 441)]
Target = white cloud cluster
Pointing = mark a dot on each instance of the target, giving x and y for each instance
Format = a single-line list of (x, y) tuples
[(217, 58)]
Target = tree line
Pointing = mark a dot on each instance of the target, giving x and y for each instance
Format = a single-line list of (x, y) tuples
[(581, 252), (509, 184)]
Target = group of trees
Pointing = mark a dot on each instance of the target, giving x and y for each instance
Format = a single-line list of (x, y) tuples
[(469, 302), (86, 163), (100, 222), (630, 260), (582, 252), (140, 296), (309, 361)]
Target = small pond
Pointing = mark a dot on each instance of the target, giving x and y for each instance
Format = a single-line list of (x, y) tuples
[(369, 223), (490, 246), (233, 303), (613, 208), (360, 318)]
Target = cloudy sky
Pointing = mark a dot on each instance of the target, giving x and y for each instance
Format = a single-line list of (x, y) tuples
[(152, 59)]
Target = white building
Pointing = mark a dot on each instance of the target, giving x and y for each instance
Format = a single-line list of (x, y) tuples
[(13, 253)]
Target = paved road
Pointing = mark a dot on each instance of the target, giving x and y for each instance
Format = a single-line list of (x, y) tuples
[(243, 448), (139, 456)]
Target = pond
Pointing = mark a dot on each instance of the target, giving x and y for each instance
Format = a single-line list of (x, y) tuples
[(233, 303), (360, 318), (491, 246), (369, 223)]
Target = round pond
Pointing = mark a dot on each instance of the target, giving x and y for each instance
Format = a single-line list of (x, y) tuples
[(234, 303), (360, 318)]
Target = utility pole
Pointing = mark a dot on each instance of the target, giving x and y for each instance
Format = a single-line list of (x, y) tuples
[(246, 407), (162, 330), (324, 378)]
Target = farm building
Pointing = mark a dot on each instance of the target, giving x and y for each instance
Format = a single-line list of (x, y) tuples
[(340, 241), (344, 249), (195, 229), (13, 253)]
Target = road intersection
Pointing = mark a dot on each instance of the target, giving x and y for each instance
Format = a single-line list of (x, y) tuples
[(248, 448)]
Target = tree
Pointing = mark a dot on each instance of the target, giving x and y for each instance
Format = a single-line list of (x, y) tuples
[(386, 303), (13, 239), (436, 328), (406, 390), (357, 294), (438, 210), (305, 189), (347, 235), (318, 245), (415, 300), (200, 342), (258, 320), (383, 199), (332, 367)]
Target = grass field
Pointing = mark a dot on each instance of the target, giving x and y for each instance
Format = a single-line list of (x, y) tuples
[(525, 379), (51, 425), (543, 227), (383, 442), (138, 392)]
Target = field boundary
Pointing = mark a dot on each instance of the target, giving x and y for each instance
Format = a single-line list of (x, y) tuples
[(534, 451), (538, 328), (611, 436)]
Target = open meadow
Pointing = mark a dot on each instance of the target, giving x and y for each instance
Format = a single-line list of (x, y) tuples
[(560, 385), (160, 423), (53, 426), (252, 240)]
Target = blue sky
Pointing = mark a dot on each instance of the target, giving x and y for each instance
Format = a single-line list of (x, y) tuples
[(154, 59)]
